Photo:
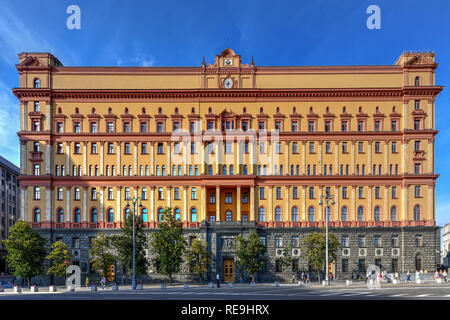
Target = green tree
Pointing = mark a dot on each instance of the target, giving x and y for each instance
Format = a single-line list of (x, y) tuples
[(101, 254), (198, 257), (315, 250), (26, 251), (286, 259), (123, 245), (249, 253), (168, 245), (57, 259)]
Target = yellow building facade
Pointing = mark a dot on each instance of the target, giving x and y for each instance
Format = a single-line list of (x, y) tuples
[(231, 144)]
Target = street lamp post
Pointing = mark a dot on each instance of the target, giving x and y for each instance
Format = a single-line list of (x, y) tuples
[(134, 201), (326, 199)]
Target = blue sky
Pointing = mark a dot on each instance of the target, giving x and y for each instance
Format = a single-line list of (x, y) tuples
[(180, 33)]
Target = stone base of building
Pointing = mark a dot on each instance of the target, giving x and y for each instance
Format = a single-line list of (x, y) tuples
[(350, 261)]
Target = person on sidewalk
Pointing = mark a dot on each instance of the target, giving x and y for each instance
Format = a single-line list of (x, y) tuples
[(103, 282), (218, 280), (251, 279), (293, 278), (444, 274), (408, 276), (87, 282)]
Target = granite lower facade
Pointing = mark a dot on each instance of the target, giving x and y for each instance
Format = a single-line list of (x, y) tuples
[(412, 248)]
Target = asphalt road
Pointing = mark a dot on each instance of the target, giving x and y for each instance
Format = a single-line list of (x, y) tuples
[(259, 292)]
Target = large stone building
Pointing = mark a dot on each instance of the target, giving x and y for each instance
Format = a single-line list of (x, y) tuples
[(9, 199), (234, 148)]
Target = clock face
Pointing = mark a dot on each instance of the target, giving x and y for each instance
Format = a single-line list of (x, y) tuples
[(228, 62), (228, 83)]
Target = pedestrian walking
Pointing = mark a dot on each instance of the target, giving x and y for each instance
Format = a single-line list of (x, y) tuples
[(251, 279), (293, 278), (103, 282), (241, 279), (436, 275), (444, 274), (218, 280), (87, 282), (308, 280), (367, 277)]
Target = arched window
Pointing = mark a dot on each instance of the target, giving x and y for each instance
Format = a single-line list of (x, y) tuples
[(130, 170), (157, 170), (261, 110), (228, 216), (329, 213), (278, 214), (124, 171), (177, 214), (393, 213), (210, 169), (224, 170), (311, 214), (144, 215), (416, 212), (262, 214), (377, 214), (344, 214), (77, 215), (231, 169), (110, 215), (127, 213), (126, 110), (244, 110), (193, 215), (160, 215), (94, 215), (245, 169), (60, 215), (360, 213), (179, 170), (190, 170), (37, 215), (417, 81), (294, 214), (163, 170), (37, 83)]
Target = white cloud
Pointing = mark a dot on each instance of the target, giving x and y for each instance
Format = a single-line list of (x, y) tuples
[(141, 58), (9, 125), (16, 37)]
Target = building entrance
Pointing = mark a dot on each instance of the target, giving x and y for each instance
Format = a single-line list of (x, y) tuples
[(228, 270)]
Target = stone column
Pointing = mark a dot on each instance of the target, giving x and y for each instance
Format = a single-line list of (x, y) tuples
[(352, 171), (85, 158), (119, 206), (102, 203), (48, 201), (303, 203), (238, 203), (386, 204), (353, 200), (430, 213), (303, 158), (286, 211), (202, 214), (252, 204), (152, 203), (369, 197), (24, 116), (237, 159), (102, 151), (320, 216), (217, 203), (404, 209), (119, 169), (337, 209), (23, 157), (48, 116), (286, 150), (136, 159), (152, 158), (386, 157), (68, 200), (271, 213), (253, 163), (202, 158), (85, 204), (369, 155), (404, 168), (430, 156), (48, 158), (185, 211), (23, 203), (69, 169), (320, 166), (169, 190), (169, 168), (336, 157), (405, 115)]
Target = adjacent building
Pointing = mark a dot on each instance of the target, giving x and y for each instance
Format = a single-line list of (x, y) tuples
[(445, 250), (234, 148), (10, 204)]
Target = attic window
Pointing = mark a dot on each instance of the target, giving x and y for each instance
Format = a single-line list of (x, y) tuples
[(294, 110), (311, 110), (327, 109), (126, 110), (109, 111), (77, 110), (143, 110), (278, 109), (192, 110), (261, 110), (343, 110), (244, 110), (93, 110), (37, 83), (417, 81), (59, 110), (176, 110), (360, 109), (159, 111), (209, 110)]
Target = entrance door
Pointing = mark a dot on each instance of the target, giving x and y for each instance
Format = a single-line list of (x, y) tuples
[(228, 270)]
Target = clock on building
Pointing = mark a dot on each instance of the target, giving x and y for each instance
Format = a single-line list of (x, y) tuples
[(228, 83), (228, 62)]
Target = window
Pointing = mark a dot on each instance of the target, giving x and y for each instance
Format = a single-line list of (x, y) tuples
[(361, 241), (109, 127), (76, 243), (344, 126), (416, 212), (377, 193), (360, 126), (344, 147), (294, 214), (193, 215), (417, 168), (37, 215), (37, 83), (60, 216), (295, 192), (278, 193), (77, 216), (278, 242), (394, 192), (377, 125), (377, 242), (294, 126), (228, 216), (311, 147), (261, 126), (344, 265), (418, 241), (360, 213), (311, 192), (417, 124), (177, 214), (93, 194), (393, 213), (59, 127), (37, 193), (261, 148), (394, 125), (245, 197), (126, 127), (344, 214), (194, 193), (417, 193), (60, 194), (77, 127), (261, 193), (228, 146), (159, 127), (278, 214), (344, 242), (394, 241), (176, 193), (416, 104), (228, 197), (94, 215), (110, 215), (261, 214), (344, 192), (360, 192), (377, 214), (94, 127), (311, 214), (160, 194), (327, 126), (160, 148), (377, 147), (310, 126), (416, 145)]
